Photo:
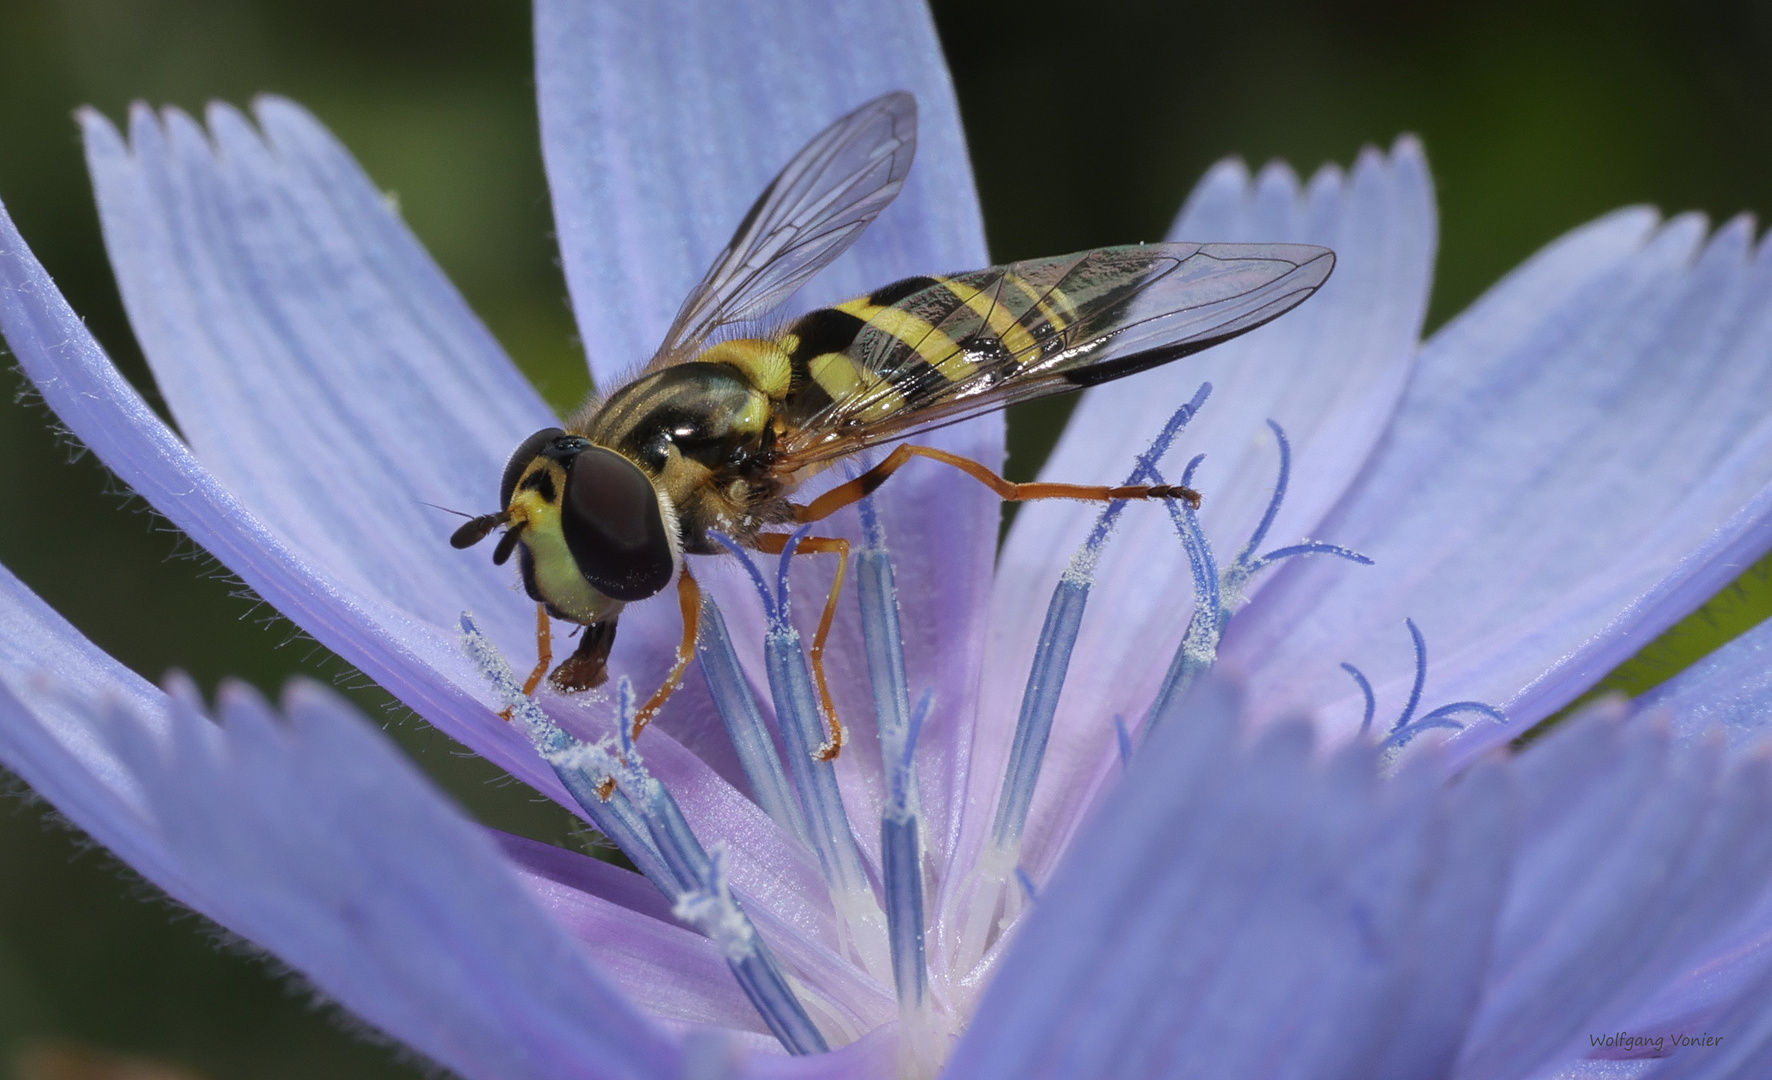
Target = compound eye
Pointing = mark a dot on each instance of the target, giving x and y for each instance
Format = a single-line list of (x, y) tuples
[(526, 452), (614, 526)]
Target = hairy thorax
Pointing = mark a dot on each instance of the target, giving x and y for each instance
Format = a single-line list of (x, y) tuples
[(703, 431)]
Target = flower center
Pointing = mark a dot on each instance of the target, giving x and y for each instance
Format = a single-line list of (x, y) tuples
[(882, 928)]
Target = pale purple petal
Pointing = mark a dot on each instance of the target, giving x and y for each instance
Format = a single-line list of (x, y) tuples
[(674, 973), (58, 752), (1637, 856), (561, 868), (661, 123), (873, 1057), (1728, 691), (1722, 696), (1580, 460), (313, 358), (314, 838), (1608, 1070), (418, 661), (1742, 1053), (1247, 912), (1454, 928), (1329, 372), (325, 375)]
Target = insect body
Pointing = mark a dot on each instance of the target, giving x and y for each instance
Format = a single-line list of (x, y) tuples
[(717, 437)]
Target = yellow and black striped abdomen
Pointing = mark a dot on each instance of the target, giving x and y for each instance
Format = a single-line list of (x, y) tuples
[(917, 341), (928, 351)]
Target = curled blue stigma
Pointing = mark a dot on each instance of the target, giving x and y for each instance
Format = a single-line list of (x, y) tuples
[(1407, 725), (1216, 594)]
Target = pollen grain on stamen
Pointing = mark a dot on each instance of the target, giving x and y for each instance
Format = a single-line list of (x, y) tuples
[(877, 900)]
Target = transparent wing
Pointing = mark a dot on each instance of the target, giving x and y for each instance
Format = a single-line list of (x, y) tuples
[(808, 215), (951, 348)]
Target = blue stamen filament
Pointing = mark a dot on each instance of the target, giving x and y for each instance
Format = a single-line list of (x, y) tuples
[(877, 587), (1199, 643), (1058, 636), (745, 727), (639, 815), (887, 932), (1407, 726), (901, 826), (988, 893), (901, 873), (1217, 596), (814, 776)]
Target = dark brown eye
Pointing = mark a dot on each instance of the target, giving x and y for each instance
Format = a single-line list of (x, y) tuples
[(614, 527), (526, 452)]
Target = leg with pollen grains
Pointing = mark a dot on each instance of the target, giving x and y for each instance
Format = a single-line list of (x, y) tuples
[(989, 892), (544, 649), (862, 486), (689, 600), (775, 544)]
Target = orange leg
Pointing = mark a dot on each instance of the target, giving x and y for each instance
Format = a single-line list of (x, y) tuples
[(864, 485), (544, 648), (689, 598), (773, 544)]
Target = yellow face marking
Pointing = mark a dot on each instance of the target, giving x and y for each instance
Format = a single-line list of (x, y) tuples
[(765, 364), (557, 576), (937, 349), (1001, 320)]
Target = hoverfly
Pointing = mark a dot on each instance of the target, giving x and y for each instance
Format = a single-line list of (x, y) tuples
[(717, 437)]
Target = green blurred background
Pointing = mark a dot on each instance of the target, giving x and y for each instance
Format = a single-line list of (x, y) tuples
[(1536, 117)]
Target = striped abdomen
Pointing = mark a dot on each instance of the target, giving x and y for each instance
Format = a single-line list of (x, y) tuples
[(915, 341)]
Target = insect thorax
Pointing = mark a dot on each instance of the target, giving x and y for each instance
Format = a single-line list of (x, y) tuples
[(702, 431)]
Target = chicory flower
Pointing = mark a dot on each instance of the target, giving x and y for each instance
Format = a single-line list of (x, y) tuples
[(1540, 489)]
